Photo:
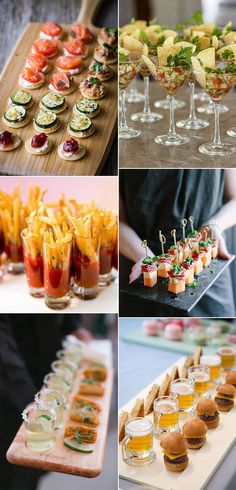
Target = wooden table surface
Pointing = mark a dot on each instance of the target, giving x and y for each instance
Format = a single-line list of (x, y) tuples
[(15, 15), (143, 152)]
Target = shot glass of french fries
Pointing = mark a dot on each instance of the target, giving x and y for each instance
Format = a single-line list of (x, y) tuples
[(86, 246), (107, 223)]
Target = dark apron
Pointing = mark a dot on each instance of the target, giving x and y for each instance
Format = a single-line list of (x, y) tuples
[(158, 200)]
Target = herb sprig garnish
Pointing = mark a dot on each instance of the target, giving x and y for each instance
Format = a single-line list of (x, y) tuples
[(182, 58), (227, 54), (123, 58), (148, 261), (193, 284), (188, 261), (221, 71), (176, 269), (196, 41), (94, 81), (196, 18), (144, 38), (217, 32)]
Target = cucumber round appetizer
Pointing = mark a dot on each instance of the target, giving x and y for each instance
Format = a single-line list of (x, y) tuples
[(22, 98), (46, 120), (76, 446), (15, 114), (87, 107), (52, 102), (80, 124)]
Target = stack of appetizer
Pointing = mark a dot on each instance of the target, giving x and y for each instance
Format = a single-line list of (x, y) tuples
[(191, 434), (65, 55), (183, 260), (80, 431)]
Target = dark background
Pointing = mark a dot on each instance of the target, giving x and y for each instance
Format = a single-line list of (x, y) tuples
[(16, 14)]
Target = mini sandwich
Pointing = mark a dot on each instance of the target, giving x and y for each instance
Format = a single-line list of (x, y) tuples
[(174, 446), (152, 395), (87, 401), (225, 397), (188, 363), (91, 387), (207, 410), (95, 371), (231, 378), (165, 386), (83, 412), (123, 418), (138, 409), (194, 431), (196, 356), (80, 438)]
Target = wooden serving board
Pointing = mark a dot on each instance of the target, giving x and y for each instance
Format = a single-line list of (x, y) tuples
[(158, 296), (60, 458), (19, 161), (202, 463)]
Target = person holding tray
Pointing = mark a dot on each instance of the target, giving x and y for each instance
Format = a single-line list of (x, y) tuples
[(28, 344), (151, 200)]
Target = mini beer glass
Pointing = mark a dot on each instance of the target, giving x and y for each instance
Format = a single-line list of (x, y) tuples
[(39, 425), (47, 398), (200, 375), (213, 361), (165, 414), (137, 446), (228, 356), (183, 389)]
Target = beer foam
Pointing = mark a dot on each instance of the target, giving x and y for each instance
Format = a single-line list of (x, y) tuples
[(183, 388), (139, 427), (166, 407), (210, 360)]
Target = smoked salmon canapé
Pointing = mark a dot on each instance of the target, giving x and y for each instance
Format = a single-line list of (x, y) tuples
[(51, 30), (149, 274), (177, 280), (38, 145), (61, 84), (47, 47), (106, 54), (70, 65), (31, 78), (108, 35), (100, 70), (8, 141), (38, 62), (71, 150), (75, 47), (79, 31), (92, 88)]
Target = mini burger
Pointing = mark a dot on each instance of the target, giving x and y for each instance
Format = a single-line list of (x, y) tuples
[(225, 397), (207, 410), (194, 431), (231, 378), (174, 446)]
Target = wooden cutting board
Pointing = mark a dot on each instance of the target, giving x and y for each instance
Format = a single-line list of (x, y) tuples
[(19, 161), (60, 458), (202, 463)]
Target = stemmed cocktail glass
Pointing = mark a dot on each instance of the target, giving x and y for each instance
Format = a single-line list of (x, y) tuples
[(128, 69), (192, 122)]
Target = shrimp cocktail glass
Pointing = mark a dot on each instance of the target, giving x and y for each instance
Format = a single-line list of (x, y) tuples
[(147, 115), (86, 244), (217, 81), (171, 72), (57, 256), (129, 64), (33, 259)]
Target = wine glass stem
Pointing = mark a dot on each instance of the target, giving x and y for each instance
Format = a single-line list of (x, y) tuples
[(217, 140), (192, 113), (172, 131), (146, 109), (133, 87), (123, 123)]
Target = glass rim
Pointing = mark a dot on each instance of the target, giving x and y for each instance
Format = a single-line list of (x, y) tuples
[(198, 366), (171, 398), (227, 346), (34, 406), (69, 363), (45, 389), (141, 432), (212, 356)]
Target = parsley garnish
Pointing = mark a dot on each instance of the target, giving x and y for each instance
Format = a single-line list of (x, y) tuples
[(123, 58), (197, 43), (226, 54), (147, 260), (182, 58), (193, 234), (94, 81), (217, 32), (203, 243), (97, 66), (188, 261), (160, 41), (176, 269), (221, 71), (197, 17), (153, 21), (144, 37), (193, 284)]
